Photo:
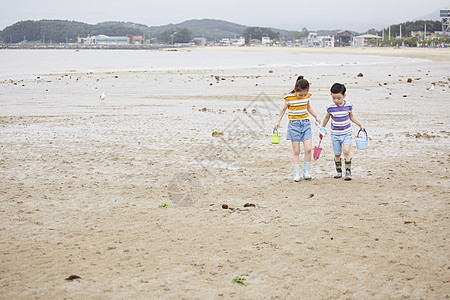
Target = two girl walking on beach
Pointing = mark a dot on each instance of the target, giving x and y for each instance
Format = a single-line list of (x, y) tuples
[(299, 129)]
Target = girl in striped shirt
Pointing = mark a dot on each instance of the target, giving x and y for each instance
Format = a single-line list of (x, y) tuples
[(341, 113), (299, 128)]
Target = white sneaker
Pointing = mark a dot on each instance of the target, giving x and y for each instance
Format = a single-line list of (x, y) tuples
[(306, 174), (297, 173)]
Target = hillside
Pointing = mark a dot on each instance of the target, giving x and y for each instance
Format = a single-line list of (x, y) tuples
[(208, 28), (60, 31)]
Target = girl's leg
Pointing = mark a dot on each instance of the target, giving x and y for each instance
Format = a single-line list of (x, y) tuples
[(295, 153), (296, 160), (307, 145)]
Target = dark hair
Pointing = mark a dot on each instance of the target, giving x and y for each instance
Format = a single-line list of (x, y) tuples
[(338, 88), (300, 84)]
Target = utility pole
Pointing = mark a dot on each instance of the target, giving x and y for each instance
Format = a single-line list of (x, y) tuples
[(389, 35), (425, 32), (400, 30)]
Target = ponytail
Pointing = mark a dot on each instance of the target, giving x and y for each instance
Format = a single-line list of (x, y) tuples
[(300, 84)]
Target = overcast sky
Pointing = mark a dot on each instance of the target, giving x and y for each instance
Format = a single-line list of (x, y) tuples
[(357, 15)]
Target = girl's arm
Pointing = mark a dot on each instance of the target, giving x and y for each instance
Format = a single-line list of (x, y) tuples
[(280, 116), (326, 119), (356, 121), (312, 112)]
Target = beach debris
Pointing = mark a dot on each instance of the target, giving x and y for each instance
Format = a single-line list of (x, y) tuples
[(270, 71), (102, 96), (254, 111), (360, 75), (431, 86), (413, 223), (249, 205), (217, 133), (311, 248), (72, 277), (239, 280), (225, 206), (163, 205), (311, 195), (409, 80), (404, 96)]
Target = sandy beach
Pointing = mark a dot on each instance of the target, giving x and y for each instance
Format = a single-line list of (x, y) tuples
[(128, 192)]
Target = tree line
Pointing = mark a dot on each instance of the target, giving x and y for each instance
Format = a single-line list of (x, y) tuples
[(60, 31)]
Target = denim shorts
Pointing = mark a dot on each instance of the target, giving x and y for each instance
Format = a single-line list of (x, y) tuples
[(299, 130), (339, 140)]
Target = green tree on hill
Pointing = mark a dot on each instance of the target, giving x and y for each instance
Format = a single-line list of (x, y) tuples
[(116, 30), (258, 33), (176, 35)]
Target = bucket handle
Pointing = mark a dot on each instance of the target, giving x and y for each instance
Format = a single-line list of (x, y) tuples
[(273, 132), (367, 138)]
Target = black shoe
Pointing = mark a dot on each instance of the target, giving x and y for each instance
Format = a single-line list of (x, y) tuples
[(348, 170), (338, 169), (348, 175)]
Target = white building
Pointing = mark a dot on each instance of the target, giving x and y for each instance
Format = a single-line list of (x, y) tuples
[(104, 40), (239, 42), (225, 42), (366, 40), (266, 41), (314, 40)]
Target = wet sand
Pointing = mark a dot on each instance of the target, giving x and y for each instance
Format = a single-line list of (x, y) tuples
[(127, 193)]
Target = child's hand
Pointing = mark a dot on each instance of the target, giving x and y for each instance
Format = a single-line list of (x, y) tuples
[(275, 127), (362, 127)]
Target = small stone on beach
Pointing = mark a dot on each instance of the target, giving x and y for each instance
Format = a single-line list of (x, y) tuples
[(72, 277)]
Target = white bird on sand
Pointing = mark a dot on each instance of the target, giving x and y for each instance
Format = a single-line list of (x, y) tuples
[(431, 87), (102, 96)]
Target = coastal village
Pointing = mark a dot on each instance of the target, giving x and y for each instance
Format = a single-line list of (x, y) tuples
[(21, 35), (313, 39), (340, 38)]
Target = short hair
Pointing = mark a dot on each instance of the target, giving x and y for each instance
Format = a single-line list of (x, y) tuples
[(338, 88), (301, 84)]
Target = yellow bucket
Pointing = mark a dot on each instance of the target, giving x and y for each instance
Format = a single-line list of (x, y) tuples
[(275, 137)]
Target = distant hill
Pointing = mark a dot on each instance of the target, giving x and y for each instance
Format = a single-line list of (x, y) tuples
[(208, 28), (59, 31)]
